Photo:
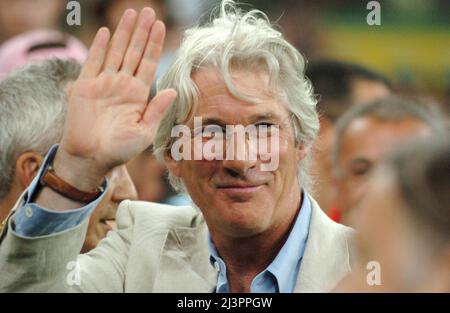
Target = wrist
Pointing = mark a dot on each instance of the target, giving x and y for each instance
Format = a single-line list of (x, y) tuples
[(82, 173)]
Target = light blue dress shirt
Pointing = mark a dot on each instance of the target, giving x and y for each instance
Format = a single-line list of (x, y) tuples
[(281, 274), (31, 220)]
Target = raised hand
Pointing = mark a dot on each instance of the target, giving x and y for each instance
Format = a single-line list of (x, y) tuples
[(109, 119)]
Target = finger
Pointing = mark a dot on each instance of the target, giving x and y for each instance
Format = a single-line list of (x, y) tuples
[(157, 107), (120, 41), (96, 56), (139, 40), (149, 62)]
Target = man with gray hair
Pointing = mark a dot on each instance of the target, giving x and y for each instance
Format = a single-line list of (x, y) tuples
[(365, 135), (32, 110), (32, 114), (254, 228)]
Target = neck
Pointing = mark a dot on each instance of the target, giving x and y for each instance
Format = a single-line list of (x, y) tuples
[(246, 257)]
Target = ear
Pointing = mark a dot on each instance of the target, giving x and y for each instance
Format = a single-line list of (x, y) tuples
[(172, 165), (301, 151), (27, 166)]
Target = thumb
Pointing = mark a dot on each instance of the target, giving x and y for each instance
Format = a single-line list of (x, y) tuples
[(157, 107)]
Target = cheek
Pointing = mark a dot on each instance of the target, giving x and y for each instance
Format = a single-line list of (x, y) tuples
[(288, 155), (284, 169), (196, 172)]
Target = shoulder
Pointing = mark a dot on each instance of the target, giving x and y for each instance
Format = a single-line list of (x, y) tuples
[(151, 214), (328, 233), (321, 220), (327, 256)]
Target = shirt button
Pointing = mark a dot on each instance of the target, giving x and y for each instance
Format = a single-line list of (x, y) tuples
[(28, 212)]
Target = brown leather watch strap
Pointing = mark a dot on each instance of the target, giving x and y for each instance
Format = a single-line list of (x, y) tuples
[(51, 180)]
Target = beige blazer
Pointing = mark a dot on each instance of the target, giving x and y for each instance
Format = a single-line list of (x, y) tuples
[(157, 248)]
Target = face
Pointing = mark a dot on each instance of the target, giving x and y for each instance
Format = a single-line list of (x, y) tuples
[(148, 177), (363, 91), (388, 235), (364, 143), (103, 219), (237, 197)]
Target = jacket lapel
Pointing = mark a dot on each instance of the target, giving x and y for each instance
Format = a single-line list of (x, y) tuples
[(326, 259), (184, 263)]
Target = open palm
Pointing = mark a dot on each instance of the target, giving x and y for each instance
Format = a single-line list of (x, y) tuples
[(109, 118)]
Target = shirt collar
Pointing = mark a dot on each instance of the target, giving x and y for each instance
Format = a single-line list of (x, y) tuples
[(286, 264)]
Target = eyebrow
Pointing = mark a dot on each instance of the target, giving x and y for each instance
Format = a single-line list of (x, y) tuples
[(252, 118)]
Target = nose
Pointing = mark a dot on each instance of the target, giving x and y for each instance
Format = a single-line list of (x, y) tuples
[(121, 184), (241, 160), (238, 168)]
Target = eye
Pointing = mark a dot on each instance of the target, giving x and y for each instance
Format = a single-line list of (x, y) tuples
[(266, 124), (266, 129), (212, 131), (361, 169)]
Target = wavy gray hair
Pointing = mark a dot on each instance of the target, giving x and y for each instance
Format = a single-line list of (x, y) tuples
[(245, 40), (32, 112)]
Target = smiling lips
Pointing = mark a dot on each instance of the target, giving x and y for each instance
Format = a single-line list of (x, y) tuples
[(240, 190), (238, 185)]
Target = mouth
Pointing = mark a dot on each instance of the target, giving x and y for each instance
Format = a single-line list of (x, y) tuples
[(240, 190)]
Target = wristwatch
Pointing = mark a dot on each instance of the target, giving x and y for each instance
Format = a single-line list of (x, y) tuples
[(57, 184)]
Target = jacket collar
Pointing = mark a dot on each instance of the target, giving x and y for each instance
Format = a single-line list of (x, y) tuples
[(327, 259), (184, 263)]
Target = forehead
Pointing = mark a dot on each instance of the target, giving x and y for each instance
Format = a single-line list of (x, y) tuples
[(372, 138), (217, 102)]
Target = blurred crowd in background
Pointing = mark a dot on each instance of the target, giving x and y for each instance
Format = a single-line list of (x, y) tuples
[(378, 86)]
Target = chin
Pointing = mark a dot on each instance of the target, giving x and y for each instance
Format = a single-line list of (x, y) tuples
[(239, 222), (241, 230)]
